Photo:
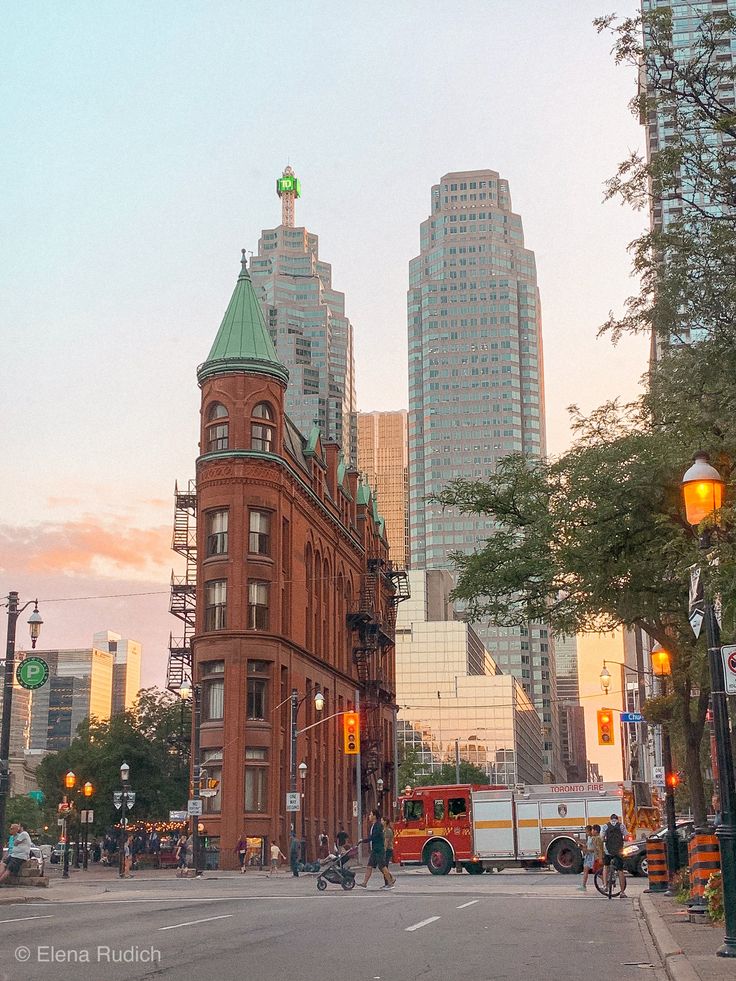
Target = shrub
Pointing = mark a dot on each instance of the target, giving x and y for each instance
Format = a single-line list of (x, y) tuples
[(714, 897), (681, 885)]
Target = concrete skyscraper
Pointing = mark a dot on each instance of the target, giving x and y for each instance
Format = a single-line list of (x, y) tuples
[(306, 319), (383, 460), (126, 676), (476, 392)]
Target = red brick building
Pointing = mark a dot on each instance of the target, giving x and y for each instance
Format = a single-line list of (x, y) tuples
[(294, 591)]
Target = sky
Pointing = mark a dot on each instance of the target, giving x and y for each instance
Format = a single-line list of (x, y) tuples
[(141, 144)]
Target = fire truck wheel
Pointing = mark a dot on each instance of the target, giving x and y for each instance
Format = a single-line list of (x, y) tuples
[(474, 868), (439, 858), (566, 858)]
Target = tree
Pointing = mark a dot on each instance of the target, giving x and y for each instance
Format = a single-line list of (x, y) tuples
[(152, 739), (446, 774), (26, 810)]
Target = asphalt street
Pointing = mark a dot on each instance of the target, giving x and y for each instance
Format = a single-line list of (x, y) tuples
[(518, 926)]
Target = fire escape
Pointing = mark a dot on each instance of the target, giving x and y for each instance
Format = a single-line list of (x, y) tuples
[(374, 628), (183, 588)]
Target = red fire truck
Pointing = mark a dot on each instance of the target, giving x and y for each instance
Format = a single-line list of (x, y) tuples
[(487, 828)]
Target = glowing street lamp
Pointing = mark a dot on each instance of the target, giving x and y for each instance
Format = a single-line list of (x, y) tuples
[(702, 490)]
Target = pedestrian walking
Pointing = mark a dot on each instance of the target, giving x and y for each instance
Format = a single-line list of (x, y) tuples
[(242, 849), (276, 853), (323, 845), (181, 856), (127, 857), (377, 857), (588, 856), (388, 839), (294, 855)]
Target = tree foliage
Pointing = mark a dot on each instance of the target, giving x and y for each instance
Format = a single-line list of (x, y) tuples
[(152, 738)]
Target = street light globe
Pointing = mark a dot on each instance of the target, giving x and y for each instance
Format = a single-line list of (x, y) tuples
[(605, 678), (70, 780), (702, 489), (303, 770), (185, 691), (124, 772), (379, 785), (88, 789), (661, 666), (34, 625), (319, 701)]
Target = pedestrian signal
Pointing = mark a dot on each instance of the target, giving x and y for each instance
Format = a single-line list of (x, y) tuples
[(672, 780), (605, 727), (351, 733)]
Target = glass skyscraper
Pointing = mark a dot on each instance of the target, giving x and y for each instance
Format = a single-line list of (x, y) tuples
[(476, 392)]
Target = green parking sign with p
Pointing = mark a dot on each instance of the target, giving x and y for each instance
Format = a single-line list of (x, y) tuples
[(32, 673)]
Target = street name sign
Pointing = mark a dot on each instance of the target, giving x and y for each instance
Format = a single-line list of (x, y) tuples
[(177, 816), (32, 673), (729, 668), (292, 801), (194, 807), (632, 717)]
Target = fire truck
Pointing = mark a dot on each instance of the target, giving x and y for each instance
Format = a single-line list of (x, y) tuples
[(483, 828)]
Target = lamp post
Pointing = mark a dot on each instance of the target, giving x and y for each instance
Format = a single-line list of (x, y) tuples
[(303, 777), (703, 491), (379, 792), (296, 703), (88, 790), (34, 626), (69, 782), (662, 668), (187, 691), (124, 777)]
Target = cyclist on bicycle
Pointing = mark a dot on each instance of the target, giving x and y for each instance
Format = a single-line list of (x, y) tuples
[(613, 835)]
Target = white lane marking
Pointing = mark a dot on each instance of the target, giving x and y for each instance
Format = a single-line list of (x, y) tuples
[(422, 923), (19, 919), (207, 919), (465, 905)]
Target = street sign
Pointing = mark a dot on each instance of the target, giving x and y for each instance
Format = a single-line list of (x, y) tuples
[(177, 816), (194, 807), (729, 668), (117, 797), (658, 776), (61, 822), (292, 802), (130, 804), (130, 798), (355, 808), (36, 795), (87, 817), (32, 673), (632, 717)]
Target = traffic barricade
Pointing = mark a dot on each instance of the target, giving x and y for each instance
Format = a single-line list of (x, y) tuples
[(656, 865), (705, 859)]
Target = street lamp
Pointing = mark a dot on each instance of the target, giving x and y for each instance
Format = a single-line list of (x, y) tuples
[(634, 761), (296, 703), (194, 692), (662, 669), (34, 626), (70, 781), (124, 777), (303, 776), (703, 492), (605, 679), (88, 790)]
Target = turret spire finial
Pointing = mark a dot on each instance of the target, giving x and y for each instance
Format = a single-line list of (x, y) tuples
[(288, 189)]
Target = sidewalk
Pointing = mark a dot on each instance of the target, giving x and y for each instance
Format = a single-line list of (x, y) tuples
[(688, 950)]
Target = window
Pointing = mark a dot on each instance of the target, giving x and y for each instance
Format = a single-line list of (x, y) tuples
[(456, 807), (439, 810), (217, 532), (218, 428), (256, 780), (213, 699), (263, 411), (261, 435), (215, 608), (212, 767), (259, 541), (258, 605), (257, 690), (413, 810)]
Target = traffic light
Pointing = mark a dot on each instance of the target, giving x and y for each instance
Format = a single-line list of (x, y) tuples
[(212, 784), (351, 733), (605, 727), (672, 780)]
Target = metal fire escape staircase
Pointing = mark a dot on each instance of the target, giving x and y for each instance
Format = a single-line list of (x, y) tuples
[(183, 588), (374, 629)]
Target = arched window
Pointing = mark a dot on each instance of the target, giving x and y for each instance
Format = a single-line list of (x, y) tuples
[(218, 427), (317, 603), (261, 434), (308, 562)]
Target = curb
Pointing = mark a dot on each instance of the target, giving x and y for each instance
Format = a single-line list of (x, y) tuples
[(675, 960)]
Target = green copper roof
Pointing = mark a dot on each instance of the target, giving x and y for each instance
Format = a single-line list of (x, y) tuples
[(364, 493), (243, 342)]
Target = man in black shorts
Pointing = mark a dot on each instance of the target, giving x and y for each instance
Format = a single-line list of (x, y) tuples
[(377, 858), (614, 835), (19, 853)]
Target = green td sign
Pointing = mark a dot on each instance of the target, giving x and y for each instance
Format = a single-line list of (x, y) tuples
[(32, 673)]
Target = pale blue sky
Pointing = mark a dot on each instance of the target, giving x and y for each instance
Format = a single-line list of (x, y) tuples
[(141, 143)]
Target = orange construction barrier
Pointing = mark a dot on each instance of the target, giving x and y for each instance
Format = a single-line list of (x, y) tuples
[(657, 865), (705, 859)]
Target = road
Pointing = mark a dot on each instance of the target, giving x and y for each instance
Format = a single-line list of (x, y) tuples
[(515, 926)]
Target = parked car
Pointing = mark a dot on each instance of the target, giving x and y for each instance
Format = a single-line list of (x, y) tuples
[(635, 854), (57, 852)]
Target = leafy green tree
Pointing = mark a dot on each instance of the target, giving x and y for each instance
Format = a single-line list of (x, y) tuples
[(445, 774), (26, 810), (152, 738)]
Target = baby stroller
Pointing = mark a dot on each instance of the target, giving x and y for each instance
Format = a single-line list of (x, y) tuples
[(335, 869)]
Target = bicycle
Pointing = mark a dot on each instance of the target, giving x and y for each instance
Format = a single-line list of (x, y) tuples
[(612, 887)]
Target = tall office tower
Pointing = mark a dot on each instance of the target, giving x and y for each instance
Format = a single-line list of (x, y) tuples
[(572, 718), (476, 392), (126, 672), (687, 21), (79, 686), (383, 458), (306, 319)]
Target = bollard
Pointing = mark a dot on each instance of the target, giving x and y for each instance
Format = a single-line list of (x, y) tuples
[(705, 859), (657, 865)]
